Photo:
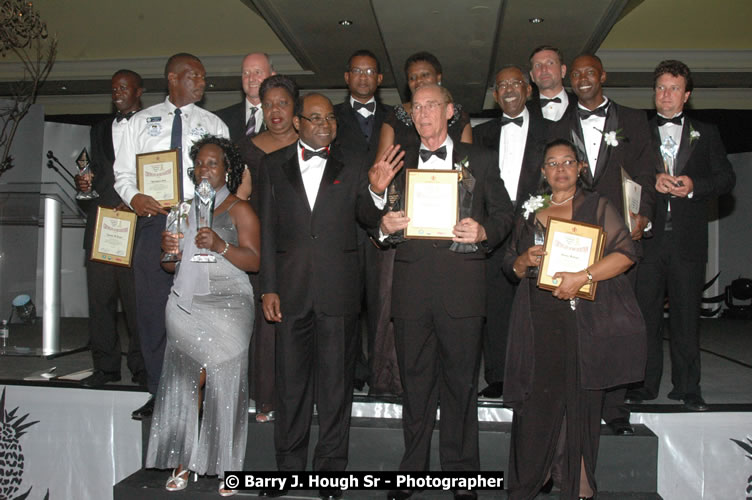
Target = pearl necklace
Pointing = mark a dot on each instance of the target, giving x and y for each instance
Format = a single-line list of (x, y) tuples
[(558, 204)]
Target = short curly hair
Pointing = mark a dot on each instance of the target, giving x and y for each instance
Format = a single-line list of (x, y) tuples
[(674, 68), (231, 157)]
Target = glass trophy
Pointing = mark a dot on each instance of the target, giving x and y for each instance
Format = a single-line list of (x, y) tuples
[(84, 171), (176, 221), (669, 148), (204, 207), (393, 204)]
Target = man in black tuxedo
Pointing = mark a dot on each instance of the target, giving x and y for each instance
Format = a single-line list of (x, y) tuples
[(439, 295), (107, 283), (246, 118), (518, 138), (675, 257), (610, 137), (359, 121), (310, 205), (547, 70)]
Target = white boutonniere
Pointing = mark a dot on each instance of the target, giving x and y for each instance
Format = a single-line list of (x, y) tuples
[(535, 203), (461, 166), (611, 138), (693, 134)]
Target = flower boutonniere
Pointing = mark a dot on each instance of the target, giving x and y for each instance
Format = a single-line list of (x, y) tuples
[(466, 177), (535, 203), (462, 165), (612, 138), (693, 134)]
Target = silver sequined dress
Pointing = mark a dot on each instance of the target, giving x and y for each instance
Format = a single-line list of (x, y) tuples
[(215, 335)]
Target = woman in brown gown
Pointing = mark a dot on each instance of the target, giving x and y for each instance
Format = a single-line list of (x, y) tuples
[(562, 351), (278, 94), (420, 69)]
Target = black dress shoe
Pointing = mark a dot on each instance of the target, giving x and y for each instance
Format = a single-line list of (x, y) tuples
[(465, 495), (330, 493), (638, 396), (693, 402), (139, 378), (359, 384), (547, 486), (272, 493), (494, 390), (621, 427), (99, 378), (399, 494), (145, 411), (675, 395)]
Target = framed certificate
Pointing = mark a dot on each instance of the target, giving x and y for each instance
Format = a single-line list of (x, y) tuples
[(431, 203), (570, 247), (113, 237), (631, 194), (159, 176)]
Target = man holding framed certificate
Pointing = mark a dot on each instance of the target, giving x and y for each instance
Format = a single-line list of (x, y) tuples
[(171, 125), (439, 284)]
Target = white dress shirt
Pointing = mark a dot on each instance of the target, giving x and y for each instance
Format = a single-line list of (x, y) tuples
[(592, 132), (363, 111), (118, 129), (150, 130), (512, 140), (555, 110), (259, 114), (312, 171)]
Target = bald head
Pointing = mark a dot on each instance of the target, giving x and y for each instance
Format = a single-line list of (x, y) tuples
[(255, 69)]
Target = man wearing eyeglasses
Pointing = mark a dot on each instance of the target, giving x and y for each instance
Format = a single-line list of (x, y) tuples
[(518, 138), (439, 293), (310, 204), (359, 121)]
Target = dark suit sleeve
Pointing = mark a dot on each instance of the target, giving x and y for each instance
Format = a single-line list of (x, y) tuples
[(98, 157), (642, 163), (498, 207), (719, 177), (366, 212), (268, 272)]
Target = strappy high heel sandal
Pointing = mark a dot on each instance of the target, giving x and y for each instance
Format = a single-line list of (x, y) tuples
[(179, 480), (223, 491)]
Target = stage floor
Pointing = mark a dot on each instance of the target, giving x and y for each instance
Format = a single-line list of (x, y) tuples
[(726, 364)]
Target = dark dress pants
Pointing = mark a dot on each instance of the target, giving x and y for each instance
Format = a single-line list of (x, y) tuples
[(315, 357), (499, 296), (106, 284), (438, 360), (684, 280), (152, 290)]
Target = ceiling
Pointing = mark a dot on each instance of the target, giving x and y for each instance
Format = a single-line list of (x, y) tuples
[(471, 38)]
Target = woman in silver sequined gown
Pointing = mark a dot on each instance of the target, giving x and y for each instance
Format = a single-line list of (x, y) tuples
[(200, 419)]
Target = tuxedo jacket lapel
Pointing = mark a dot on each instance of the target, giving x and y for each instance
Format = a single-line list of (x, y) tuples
[(331, 170), (292, 170), (604, 152), (685, 147)]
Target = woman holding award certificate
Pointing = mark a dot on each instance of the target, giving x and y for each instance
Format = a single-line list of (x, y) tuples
[(564, 351), (200, 417)]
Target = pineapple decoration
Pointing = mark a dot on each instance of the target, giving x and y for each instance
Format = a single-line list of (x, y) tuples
[(12, 427)]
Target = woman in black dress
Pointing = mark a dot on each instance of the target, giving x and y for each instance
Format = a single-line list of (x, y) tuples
[(562, 351), (278, 94)]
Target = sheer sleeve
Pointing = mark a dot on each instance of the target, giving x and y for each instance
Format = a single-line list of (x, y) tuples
[(618, 238)]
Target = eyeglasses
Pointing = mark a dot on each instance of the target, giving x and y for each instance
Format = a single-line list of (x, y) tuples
[(565, 163), (429, 107), (515, 84), (363, 71), (319, 120)]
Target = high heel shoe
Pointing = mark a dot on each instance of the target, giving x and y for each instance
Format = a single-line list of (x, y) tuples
[(179, 480), (223, 491)]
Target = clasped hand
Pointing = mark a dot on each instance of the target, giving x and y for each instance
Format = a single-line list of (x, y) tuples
[(568, 284), (679, 186)]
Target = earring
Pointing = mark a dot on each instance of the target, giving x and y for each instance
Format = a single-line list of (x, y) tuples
[(227, 177), (438, 83)]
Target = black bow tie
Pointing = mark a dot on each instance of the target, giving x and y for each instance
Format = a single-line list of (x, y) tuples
[(426, 154), (544, 101), (127, 116), (308, 154), (677, 120), (517, 121), (585, 114), (371, 106)]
